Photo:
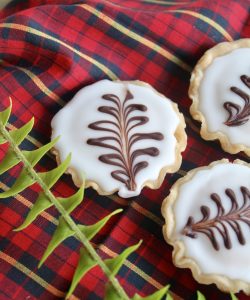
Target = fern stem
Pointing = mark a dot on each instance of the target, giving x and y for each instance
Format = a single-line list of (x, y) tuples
[(82, 238)]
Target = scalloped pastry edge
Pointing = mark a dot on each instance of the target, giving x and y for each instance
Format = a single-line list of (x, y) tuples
[(179, 256), (195, 81)]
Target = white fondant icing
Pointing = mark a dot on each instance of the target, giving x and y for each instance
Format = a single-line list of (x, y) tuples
[(233, 263), (224, 73), (71, 124)]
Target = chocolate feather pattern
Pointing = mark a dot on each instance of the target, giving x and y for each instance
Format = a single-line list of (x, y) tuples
[(234, 218), (120, 138), (239, 115)]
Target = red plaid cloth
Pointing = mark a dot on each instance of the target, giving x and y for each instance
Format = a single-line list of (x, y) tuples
[(48, 51)]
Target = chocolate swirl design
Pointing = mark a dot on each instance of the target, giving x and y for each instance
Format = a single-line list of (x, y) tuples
[(223, 220), (121, 139), (237, 115)]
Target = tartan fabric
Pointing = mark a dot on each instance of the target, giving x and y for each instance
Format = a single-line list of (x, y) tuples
[(48, 51)]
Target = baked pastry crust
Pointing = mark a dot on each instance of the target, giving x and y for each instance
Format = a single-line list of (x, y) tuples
[(195, 82), (180, 256), (181, 142)]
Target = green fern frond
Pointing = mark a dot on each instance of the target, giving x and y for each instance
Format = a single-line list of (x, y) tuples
[(86, 262), (10, 160), (200, 296), (114, 264), (91, 230), (233, 297), (4, 118), (42, 203), (70, 203), (5, 115), (169, 297), (34, 156), (158, 295), (51, 177), (61, 233), (23, 181), (18, 135), (110, 293)]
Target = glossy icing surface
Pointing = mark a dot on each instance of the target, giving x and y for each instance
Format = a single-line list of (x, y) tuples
[(212, 218), (225, 96), (120, 135)]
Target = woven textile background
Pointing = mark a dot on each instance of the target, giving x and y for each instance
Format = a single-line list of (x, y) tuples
[(48, 51)]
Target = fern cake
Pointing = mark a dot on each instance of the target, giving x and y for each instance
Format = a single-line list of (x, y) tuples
[(122, 136), (207, 216), (220, 90)]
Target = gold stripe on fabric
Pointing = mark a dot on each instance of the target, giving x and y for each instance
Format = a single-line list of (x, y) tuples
[(207, 20), (167, 3), (29, 204), (29, 138), (144, 41), (49, 37), (118, 200), (147, 213), (53, 290), (191, 123), (37, 81), (42, 86)]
